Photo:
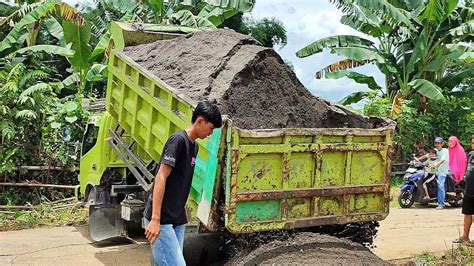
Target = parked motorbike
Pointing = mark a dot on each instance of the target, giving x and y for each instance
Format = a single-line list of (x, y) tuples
[(412, 189)]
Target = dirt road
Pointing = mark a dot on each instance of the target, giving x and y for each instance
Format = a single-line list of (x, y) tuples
[(404, 233), (408, 232)]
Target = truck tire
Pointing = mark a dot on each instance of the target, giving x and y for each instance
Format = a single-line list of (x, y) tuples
[(406, 199)]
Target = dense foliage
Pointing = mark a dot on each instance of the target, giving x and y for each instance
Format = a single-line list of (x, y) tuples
[(53, 56)]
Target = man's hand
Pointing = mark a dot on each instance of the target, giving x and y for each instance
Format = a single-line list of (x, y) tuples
[(152, 231)]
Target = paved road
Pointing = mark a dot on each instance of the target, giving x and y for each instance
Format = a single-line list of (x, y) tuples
[(405, 232), (66, 246)]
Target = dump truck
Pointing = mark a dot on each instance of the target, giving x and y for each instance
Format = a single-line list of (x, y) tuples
[(245, 180)]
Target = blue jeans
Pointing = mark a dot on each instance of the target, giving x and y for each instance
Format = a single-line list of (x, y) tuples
[(441, 189), (168, 247)]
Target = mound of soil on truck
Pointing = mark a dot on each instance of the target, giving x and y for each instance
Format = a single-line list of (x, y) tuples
[(309, 249), (251, 83)]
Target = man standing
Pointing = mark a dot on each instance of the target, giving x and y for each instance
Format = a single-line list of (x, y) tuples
[(468, 200), (165, 214), (442, 168)]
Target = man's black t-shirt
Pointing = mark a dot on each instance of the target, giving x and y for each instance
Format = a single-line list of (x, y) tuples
[(180, 153)]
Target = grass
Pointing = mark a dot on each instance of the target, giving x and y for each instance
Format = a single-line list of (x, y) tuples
[(43, 215), (462, 255), (427, 258)]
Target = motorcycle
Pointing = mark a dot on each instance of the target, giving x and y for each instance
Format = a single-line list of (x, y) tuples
[(412, 189)]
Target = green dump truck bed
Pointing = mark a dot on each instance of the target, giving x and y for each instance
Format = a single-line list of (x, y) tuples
[(259, 179)]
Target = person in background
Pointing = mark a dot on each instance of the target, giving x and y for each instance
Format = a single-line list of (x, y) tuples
[(457, 159), (431, 171), (442, 169), (420, 150), (468, 200)]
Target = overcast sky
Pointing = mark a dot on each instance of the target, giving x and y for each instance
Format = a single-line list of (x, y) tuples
[(305, 22)]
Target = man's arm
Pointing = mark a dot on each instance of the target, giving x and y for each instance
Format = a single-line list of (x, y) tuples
[(152, 230), (443, 159), (438, 163)]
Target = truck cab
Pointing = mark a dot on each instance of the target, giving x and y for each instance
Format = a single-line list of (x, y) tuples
[(97, 155)]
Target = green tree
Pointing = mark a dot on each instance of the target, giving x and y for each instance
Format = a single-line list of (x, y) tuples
[(268, 31), (416, 42), (34, 122)]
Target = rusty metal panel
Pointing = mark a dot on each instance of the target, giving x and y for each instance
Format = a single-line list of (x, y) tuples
[(289, 178)]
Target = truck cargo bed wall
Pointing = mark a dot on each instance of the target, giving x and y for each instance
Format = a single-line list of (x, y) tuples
[(292, 178), (150, 111)]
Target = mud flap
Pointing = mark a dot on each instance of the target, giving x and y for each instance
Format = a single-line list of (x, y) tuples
[(105, 222)]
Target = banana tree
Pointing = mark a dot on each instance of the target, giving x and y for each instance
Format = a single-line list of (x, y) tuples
[(196, 14), (28, 20), (414, 42), (72, 35)]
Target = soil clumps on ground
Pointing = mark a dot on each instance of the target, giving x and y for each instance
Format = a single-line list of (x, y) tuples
[(309, 249)]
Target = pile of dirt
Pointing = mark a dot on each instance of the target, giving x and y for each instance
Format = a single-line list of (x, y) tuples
[(250, 83), (309, 249), (362, 233)]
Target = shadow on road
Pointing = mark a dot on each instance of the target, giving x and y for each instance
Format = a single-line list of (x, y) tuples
[(119, 251)]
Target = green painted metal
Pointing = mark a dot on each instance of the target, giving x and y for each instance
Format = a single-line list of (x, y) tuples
[(100, 156), (288, 178), (150, 111), (127, 34)]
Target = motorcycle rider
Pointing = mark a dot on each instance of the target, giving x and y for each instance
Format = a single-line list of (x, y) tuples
[(442, 169), (430, 170)]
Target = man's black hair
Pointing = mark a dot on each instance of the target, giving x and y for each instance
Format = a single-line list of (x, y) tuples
[(430, 150), (209, 112)]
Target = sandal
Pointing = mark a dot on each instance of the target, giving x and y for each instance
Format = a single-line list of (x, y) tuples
[(462, 241)]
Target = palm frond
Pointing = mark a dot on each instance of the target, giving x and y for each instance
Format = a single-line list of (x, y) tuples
[(16, 72), (69, 13), (24, 99), (32, 76), (10, 86), (382, 8), (16, 16), (35, 88), (333, 42), (26, 114), (340, 65)]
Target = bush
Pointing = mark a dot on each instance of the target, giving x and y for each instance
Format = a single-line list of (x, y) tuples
[(453, 116)]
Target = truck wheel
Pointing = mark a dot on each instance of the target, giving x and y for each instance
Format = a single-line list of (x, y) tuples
[(406, 199)]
